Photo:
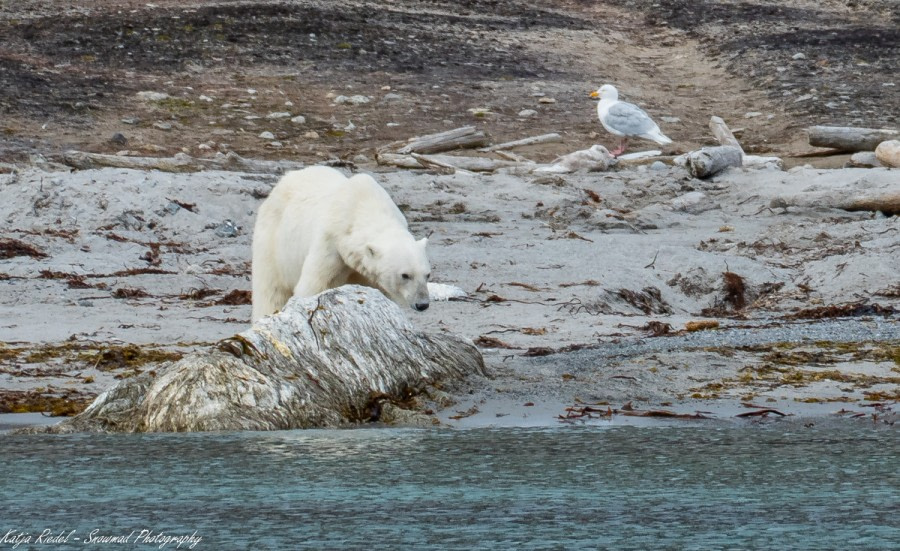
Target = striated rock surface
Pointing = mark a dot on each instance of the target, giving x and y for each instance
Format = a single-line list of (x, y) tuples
[(324, 361)]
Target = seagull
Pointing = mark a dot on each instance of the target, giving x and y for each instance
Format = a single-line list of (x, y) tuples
[(595, 159), (625, 119)]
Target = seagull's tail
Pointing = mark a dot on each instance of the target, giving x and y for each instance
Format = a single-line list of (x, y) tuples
[(658, 137)]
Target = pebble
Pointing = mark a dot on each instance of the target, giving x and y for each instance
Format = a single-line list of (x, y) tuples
[(311, 135), (279, 115), (527, 113), (227, 229), (130, 120), (658, 166), (129, 221), (360, 159), (352, 100), (392, 97), (152, 96), (162, 125), (670, 120), (752, 114), (798, 56), (267, 135), (546, 100), (864, 159), (299, 119), (207, 99), (119, 139)]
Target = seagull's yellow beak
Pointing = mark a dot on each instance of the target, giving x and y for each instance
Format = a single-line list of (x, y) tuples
[(594, 94)]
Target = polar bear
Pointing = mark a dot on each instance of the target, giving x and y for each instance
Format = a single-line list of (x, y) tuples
[(319, 229)]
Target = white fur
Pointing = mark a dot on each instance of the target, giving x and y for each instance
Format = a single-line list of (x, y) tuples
[(319, 229)]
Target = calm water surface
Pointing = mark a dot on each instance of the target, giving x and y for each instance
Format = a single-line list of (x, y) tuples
[(738, 487)]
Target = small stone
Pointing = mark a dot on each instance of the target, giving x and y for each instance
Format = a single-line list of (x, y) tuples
[(152, 96), (527, 113), (392, 97), (204, 147), (131, 120), (352, 100), (804, 98), (546, 100), (311, 135), (360, 159), (288, 103), (172, 208), (658, 166), (752, 114), (267, 135), (227, 229), (798, 56), (670, 120), (162, 125), (119, 139), (299, 119), (279, 115), (385, 88), (86, 303), (889, 153), (251, 91), (864, 159), (275, 145), (207, 99)]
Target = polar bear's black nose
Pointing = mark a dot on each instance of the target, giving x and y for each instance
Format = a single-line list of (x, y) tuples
[(421, 306)]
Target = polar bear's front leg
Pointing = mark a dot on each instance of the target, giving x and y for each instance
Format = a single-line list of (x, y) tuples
[(320, 273)]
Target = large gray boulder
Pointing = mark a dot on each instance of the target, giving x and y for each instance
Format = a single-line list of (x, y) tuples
[(324, 361)]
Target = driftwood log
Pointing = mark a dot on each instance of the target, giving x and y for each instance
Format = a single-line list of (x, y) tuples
[(850, 139), (324, 361), (887, 201), (473, 164), (178, 163), (709, 161), (723, 134), (458, 138)]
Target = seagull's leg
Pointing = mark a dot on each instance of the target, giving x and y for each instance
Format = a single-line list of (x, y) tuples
[(623, 143)]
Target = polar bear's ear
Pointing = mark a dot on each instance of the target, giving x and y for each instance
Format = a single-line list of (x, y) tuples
[(423, 242)]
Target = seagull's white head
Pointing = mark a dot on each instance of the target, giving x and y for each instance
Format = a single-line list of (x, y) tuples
[(607, 91)]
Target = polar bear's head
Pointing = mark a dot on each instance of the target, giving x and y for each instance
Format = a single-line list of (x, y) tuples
[(404, 271)]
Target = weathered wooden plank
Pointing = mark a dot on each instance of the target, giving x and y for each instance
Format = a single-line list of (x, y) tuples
[(533, 140)]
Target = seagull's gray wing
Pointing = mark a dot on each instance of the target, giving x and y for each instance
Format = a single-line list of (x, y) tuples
[(629, 119)]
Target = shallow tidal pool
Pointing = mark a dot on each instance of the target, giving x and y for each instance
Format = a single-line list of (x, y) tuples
[(774, 486)]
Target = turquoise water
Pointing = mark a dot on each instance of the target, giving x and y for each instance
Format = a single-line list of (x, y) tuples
[(782, 486)]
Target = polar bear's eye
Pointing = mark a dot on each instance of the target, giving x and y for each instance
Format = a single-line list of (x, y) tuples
[(404, 276)]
